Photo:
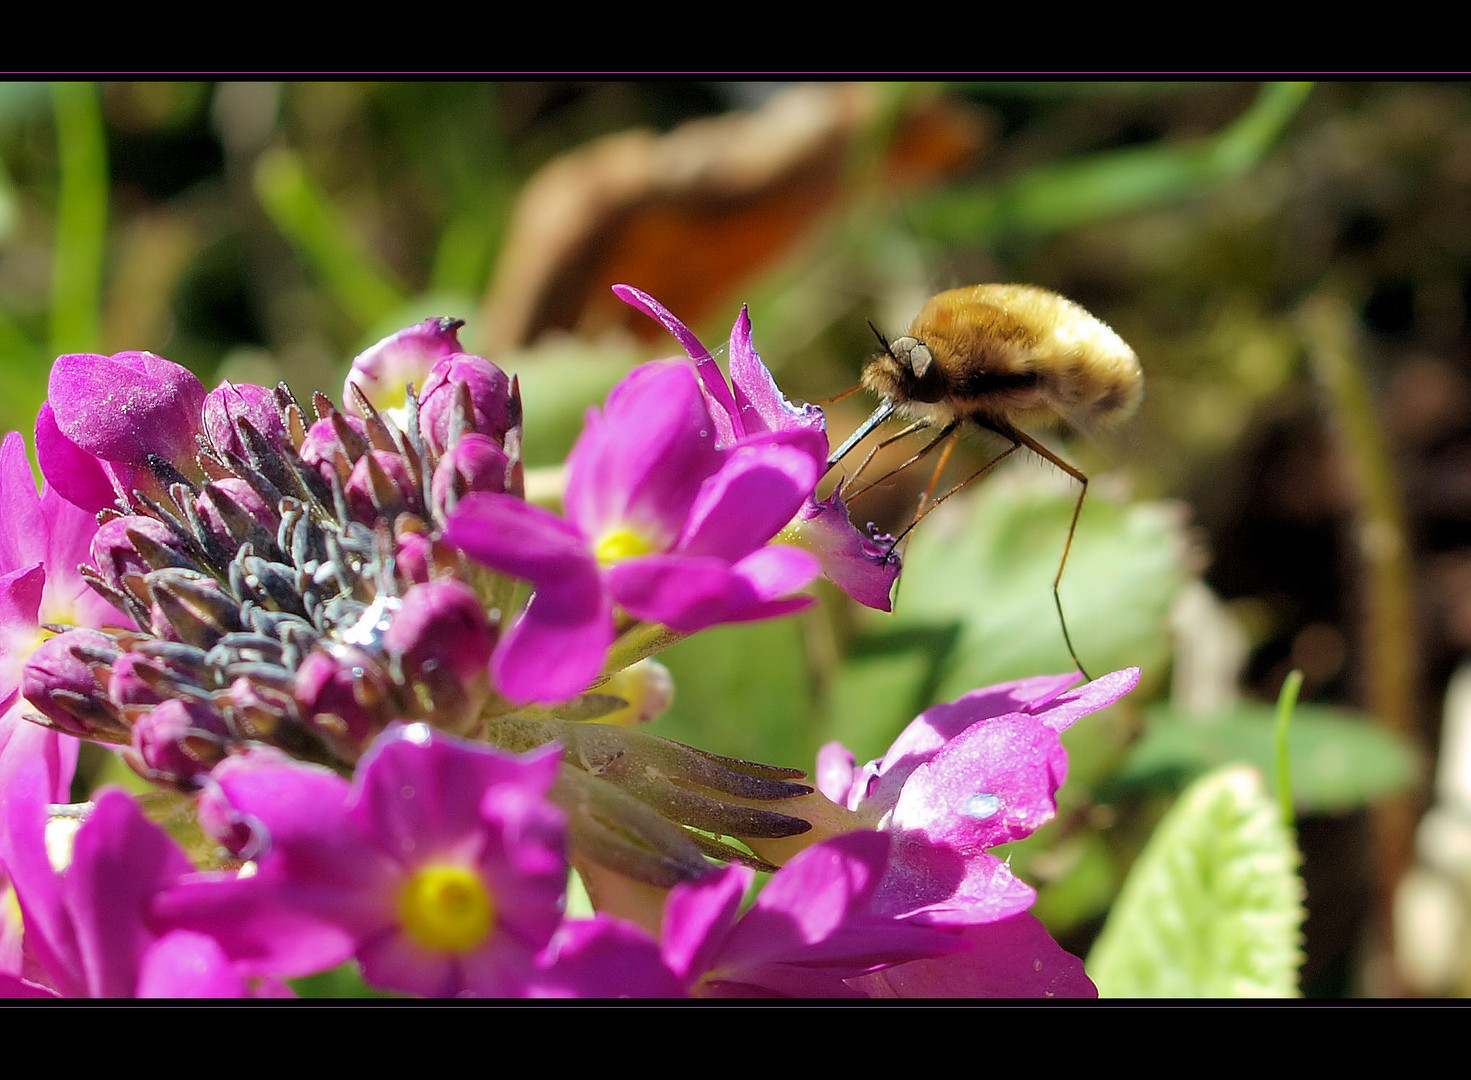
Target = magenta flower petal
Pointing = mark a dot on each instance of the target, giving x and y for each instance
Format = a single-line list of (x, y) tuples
[(699, 918), (1012, 958), (705, 366), (184, 964), (863, 567), (690, 594), (760, 403), (557, 646), (748, 501), (990, 785), (940, 886), (512, 536), (81, 478), (603, 957), (639, 464), (127, 406), (811, 927)]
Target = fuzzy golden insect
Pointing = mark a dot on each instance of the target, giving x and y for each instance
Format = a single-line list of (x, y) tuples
[(1004, 358)]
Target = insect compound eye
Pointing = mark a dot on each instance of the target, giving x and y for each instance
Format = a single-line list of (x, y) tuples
[(926, 381)]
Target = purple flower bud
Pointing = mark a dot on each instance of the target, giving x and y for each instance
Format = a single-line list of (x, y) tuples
[(177, 740), (444, 641), (323, 446), (415, 557), (127, 406), (490, 400), (325, 690), (242, 495), (130, 683), (380, 485), (115, 554), (230, 402), (383, 372), (63, 688), (475, 463)]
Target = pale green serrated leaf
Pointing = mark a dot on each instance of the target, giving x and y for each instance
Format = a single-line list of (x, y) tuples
[(1213, 906)]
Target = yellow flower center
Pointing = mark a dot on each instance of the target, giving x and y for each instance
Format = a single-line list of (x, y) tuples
[(621, 544), (446, 907)]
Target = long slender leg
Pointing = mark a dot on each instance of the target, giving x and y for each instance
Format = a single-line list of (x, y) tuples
[(982, 471), (945, 433), (1022, 438), (917, 426)]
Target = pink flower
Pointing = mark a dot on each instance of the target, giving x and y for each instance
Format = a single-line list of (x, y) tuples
[(440, 868), (965, 777), (864, 567), (661, 521)]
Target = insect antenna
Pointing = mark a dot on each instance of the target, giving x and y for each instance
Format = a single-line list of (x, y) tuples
[(878, 334)]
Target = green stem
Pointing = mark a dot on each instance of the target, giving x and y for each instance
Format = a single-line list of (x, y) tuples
[(81, 218), (1286, 703)]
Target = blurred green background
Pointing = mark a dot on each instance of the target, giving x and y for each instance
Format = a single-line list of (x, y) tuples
[(1292, 264)]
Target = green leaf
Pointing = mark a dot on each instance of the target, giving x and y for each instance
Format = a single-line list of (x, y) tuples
[(975, 607), (1339, 760), (1213, 907)]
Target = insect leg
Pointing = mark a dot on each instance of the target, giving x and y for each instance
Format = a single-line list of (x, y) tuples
[(1023, 439), (982, 471), (918, 425), (945, 433)]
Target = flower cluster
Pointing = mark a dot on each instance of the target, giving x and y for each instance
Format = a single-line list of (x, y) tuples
[(312, 629)]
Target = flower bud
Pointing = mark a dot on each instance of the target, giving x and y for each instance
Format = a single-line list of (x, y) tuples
[(383, 372), (380, 485), (61, 685), (475, 463), (646, 686), (229, 403), (323, 447), (177, 740), (133, 680), (443, 641), (127, 406), (326, 691), (115, 552), (488, 391), (249, 511)]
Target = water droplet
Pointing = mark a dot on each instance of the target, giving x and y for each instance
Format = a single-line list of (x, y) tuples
[(417, 733), (981, 805)]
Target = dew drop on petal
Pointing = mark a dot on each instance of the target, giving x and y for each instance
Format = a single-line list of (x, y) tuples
[(417, 733), (981, 805)]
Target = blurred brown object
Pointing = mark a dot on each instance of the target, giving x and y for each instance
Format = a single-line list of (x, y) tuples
[(725, 195)]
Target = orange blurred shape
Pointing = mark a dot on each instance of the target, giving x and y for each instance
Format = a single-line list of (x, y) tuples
[(688, 215)]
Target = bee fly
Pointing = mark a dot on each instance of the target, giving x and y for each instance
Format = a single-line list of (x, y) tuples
[(1001, 357)]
